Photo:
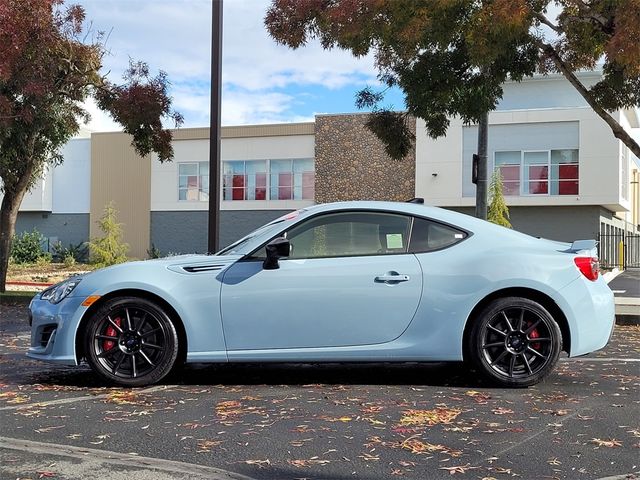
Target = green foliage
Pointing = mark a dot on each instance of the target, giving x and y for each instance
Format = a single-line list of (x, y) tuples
[(154, 252), (44, 259), (108, 249), (78, 252), (497, 212), (69, 261), (50, 65), (27, 247), (450, 58)]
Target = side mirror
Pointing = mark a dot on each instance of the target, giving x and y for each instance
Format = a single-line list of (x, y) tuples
[(277, 248)]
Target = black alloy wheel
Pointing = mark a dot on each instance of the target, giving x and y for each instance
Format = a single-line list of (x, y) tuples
[(515, 342), (131, 341)]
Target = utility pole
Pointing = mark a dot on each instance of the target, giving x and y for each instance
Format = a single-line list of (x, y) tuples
[(214, 126), (481, 183)]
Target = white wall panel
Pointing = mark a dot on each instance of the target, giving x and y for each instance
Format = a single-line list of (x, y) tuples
[(164, 177), (72, 179)]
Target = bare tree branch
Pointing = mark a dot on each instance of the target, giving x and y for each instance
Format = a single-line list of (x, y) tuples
[(547, 22), (618, 131), (586, 9)]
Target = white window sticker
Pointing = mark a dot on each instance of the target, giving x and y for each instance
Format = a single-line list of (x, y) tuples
[(394, 240)]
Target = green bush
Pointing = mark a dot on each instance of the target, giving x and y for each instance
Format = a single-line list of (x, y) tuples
[(78, 252), (154, 252), (108, 249), (27, 247), (498, 212), (69, 261)]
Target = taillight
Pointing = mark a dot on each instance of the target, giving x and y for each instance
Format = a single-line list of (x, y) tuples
[(589, 266)]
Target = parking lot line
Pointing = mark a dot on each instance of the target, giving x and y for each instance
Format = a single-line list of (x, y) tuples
[(83, 398), (599, 359), (185, 470)]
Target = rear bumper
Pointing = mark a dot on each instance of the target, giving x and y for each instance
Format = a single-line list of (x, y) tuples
[(590, 311)]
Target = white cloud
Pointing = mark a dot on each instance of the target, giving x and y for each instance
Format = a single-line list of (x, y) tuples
[(100, 121), (175, 36)]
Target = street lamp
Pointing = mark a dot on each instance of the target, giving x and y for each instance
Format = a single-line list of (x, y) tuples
[(214, 126)]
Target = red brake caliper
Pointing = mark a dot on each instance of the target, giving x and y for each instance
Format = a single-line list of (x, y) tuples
[(111, 332), (534, 334)]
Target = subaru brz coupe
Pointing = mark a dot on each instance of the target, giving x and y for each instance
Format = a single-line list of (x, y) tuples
[(341, 282)]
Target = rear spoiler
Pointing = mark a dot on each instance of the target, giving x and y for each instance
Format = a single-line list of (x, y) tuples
[(582, 245)]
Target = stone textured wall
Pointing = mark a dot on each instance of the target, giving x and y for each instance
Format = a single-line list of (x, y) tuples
[(351, 163)]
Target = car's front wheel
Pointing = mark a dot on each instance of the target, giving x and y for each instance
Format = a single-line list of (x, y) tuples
[(131, 342), (514, 342)]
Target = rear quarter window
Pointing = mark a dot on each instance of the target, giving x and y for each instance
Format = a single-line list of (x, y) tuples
[(427, 236)]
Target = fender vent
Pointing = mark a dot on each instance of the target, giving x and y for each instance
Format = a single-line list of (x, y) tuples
[(202, 268)]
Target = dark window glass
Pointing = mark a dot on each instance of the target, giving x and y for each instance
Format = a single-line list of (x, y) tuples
[(427, 235), (350, 234)]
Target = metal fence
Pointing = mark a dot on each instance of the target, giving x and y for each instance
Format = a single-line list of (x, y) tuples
[(619, 249)]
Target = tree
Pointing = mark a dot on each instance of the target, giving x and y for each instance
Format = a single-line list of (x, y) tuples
[(498, 212), (108, 249), (451, 57), (48, 69)]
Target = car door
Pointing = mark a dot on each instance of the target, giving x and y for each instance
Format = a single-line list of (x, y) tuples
[(348, 281)]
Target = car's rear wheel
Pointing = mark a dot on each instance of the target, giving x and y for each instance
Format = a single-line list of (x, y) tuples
[(514, 342), (131, 341)]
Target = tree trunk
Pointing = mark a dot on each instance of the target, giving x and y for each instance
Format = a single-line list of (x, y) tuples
[(481, 186), (8, 216), (13, 195)]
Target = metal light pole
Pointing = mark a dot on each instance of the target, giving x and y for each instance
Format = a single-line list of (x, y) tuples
[(214, 129), (481, 185)]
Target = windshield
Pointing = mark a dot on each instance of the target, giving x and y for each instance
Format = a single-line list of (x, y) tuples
[(246, 244)]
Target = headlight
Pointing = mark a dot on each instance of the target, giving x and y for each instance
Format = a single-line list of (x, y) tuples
[(60, 291)]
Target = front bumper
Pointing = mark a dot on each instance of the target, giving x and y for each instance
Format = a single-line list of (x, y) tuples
[(53, 329)]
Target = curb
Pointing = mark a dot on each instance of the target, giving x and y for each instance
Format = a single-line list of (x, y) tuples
[(30, 284), (627, 310), (627, 476), (611, 275)]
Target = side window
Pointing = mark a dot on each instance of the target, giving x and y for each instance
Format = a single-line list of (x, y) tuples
[(350, 234), (427, 236)]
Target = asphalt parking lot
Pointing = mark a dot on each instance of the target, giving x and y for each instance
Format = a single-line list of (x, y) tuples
[(319, 421)]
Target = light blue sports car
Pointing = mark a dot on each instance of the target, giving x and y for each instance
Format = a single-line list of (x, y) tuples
[(342, 282)]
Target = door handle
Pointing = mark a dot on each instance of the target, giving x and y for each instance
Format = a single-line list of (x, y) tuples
[(392, 278)]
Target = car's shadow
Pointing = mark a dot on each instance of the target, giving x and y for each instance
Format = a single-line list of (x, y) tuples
[(292, 374)]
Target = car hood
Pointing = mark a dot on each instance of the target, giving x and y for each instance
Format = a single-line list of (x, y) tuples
[(150, 270)]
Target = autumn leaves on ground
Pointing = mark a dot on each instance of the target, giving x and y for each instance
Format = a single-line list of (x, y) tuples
[(335, 421)]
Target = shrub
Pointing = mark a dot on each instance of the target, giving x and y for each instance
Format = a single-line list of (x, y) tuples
[(498, 212), (69, 261), (76, 251), (154, 252), (44, 259), (27, 247), (108, 249)]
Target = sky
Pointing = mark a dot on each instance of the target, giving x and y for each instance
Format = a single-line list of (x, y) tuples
[(262, 82)]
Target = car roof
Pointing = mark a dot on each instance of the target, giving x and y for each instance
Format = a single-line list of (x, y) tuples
[(415, 209)]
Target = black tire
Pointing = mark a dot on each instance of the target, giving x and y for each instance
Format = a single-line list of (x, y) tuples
[(514, 342), (131, 341)]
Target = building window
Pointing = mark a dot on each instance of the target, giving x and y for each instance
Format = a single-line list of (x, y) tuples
[(509, 165), (245, 180), (193, 181), (540, 172), (285, 180), (564, 172)]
